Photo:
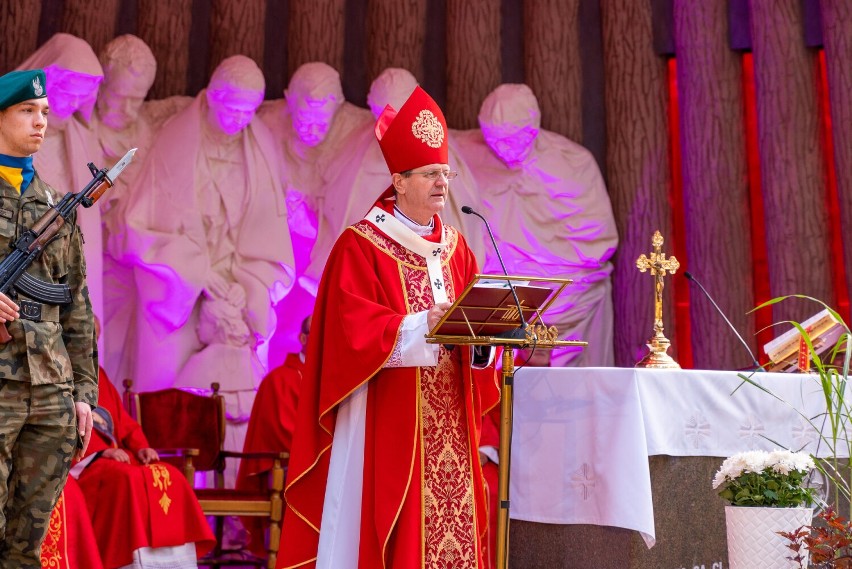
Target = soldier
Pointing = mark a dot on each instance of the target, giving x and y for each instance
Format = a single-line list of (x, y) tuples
[(48, 369)]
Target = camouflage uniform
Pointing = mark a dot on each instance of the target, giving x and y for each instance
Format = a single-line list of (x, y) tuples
[(46, 367)]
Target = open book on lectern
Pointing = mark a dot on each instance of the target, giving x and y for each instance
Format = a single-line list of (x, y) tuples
[(487, 308)]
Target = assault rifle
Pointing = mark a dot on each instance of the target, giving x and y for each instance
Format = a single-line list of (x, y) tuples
[(27, 247)]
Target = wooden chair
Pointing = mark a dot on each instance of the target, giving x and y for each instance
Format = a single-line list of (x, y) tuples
[(190, 430)]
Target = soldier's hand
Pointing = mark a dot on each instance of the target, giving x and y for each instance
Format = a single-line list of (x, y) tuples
[(84, 426), (147, 455), (8, 309), (116, 454)]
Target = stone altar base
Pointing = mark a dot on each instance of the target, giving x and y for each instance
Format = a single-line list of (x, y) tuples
[(689, 518)]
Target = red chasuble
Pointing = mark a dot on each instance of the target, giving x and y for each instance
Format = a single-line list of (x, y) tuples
[(132, 505), (70, 542), (270, 428), (423, 499)]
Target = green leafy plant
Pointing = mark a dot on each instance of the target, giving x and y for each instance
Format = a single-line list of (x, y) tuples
[(768, 479), (833, 425)]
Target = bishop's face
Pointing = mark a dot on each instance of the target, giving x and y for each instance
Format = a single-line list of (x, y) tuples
[(422, 194), (120, 98), (231, 108)]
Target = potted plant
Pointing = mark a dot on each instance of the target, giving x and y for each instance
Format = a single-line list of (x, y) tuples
[(767, 494)]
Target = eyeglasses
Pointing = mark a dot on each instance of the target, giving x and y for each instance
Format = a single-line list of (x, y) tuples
[(434, 174)]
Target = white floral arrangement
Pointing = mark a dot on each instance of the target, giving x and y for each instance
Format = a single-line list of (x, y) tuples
[(761, 478)]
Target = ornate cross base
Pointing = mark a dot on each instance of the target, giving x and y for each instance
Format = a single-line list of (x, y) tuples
[(657, 357)]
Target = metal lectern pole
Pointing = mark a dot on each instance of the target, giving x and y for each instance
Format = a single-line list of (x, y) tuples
[(505, 457)]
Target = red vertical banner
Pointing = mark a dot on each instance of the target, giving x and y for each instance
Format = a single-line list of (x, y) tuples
[(763, 318), (838, 268), (676, 243)]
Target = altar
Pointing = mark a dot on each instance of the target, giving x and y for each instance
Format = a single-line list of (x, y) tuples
[(612, 467)]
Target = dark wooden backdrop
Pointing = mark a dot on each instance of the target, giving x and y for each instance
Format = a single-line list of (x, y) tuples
[(725, 124)]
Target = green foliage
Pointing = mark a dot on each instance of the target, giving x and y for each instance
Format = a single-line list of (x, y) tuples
[(833, 425), (769, 489)]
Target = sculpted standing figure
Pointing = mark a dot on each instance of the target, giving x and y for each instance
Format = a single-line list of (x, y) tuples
[(208, 241), (74, 73), (551, 215), (48, 368), (124, 120), (312, 124)]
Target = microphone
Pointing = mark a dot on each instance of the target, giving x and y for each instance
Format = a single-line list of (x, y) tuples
[(689, 276), (519, 332)]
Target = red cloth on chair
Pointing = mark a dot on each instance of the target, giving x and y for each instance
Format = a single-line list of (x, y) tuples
[(134, 505), (70, 541), (270, 428)]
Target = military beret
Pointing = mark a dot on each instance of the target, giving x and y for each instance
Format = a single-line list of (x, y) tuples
[(19, 86)]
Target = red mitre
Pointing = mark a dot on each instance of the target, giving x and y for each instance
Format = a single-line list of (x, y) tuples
[(415, 135)]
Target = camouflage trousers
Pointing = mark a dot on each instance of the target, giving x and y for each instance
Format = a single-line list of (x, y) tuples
[(37, 439)]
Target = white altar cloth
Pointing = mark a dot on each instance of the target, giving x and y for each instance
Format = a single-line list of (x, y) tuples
[(582, 436)]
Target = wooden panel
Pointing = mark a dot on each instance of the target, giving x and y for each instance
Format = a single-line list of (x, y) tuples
[(473, 58), (395, 34), (552, 61), (791, 157), (837, 37), (715, 188), (316, 32), (23, 17), (637, 169), (236, 28), (91, 21), (165, 28)]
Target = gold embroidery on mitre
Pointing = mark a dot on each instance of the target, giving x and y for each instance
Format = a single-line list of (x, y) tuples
[(428, 129), (162, 481)]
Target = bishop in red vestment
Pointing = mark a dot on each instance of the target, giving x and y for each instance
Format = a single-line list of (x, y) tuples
[(384, 469), (270, 429), (134, 500)]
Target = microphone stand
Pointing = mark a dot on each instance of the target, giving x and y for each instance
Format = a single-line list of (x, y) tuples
[(519, 332), (756, 363)]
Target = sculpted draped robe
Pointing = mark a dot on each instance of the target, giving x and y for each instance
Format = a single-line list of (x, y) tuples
[(552, 217), (206, 205), (384, 470)]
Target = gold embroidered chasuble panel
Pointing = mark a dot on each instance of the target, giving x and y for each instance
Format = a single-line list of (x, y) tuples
[(448, 520)]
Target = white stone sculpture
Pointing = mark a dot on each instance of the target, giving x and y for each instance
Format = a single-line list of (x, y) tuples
[(550, 211)]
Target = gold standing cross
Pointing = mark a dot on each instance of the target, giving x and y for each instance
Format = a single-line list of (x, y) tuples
[(658, 264)]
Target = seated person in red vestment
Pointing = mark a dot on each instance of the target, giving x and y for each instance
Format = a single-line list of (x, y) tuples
[(270, 429), (142, 510), (70, 540), (488, 446)]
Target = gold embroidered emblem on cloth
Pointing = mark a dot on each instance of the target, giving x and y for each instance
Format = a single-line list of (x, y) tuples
[(428, 129)]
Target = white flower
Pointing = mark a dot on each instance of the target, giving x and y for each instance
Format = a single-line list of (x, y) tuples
[(780, 461)]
